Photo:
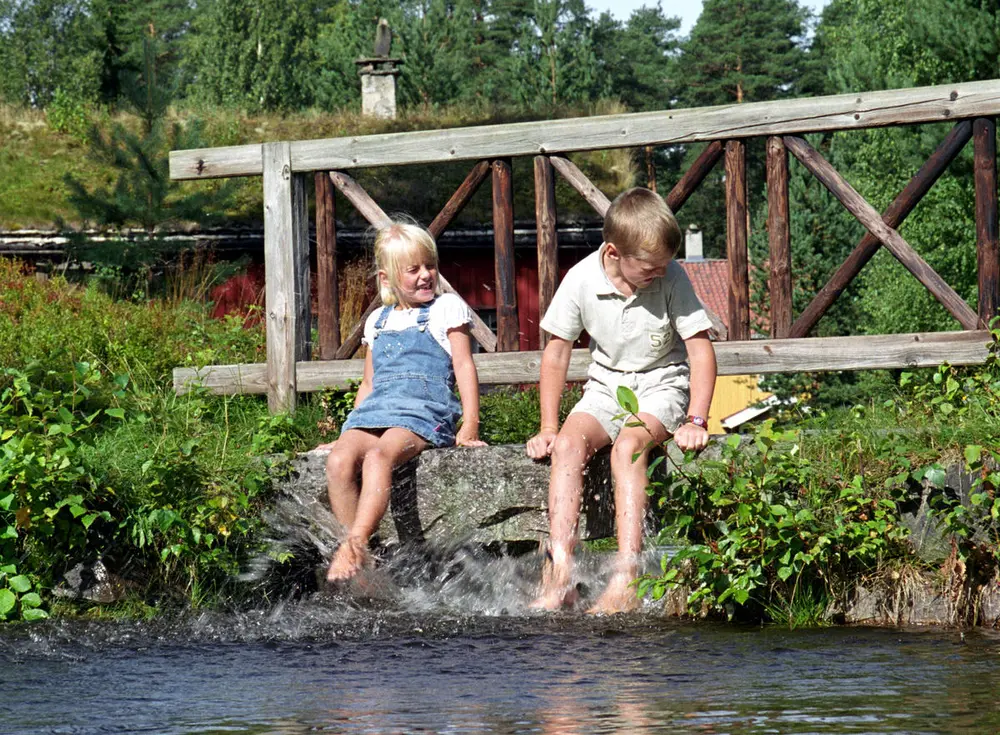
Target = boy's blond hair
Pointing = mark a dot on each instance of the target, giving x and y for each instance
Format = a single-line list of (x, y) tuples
[(640, 225), (396, 245)]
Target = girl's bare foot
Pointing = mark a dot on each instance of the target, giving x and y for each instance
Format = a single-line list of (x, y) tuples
[(351, 557), (618, 596)]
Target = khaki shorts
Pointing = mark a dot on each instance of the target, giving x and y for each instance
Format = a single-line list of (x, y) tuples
[(661, 392)]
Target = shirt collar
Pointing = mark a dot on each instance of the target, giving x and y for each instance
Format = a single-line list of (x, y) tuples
[(606, 288)]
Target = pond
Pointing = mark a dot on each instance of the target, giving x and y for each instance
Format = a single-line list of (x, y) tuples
[(433, 659)]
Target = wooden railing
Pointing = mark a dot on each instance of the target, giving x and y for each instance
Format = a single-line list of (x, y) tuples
[(971, 107)]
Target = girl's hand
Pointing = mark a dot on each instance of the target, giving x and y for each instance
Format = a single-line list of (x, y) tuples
[(540, 445), (468, 436)]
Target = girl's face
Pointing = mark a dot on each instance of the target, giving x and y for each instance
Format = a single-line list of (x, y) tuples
[(416, 280)]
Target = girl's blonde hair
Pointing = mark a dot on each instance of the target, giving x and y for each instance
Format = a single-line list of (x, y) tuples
[(395, 246)]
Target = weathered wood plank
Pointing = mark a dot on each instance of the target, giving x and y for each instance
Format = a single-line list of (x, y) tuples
[(283, 209), (548, 244), (736, 240), (870, 218), (894, 216), (508, 339), (327, 281), (366, 206), (459, 199), (668, 127), (754, 357), (579, 181), (693, 177), (779, 238), (987, 243)]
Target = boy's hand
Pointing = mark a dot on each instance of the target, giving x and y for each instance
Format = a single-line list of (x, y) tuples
[(691, 436), (540, 445), (468, 436)]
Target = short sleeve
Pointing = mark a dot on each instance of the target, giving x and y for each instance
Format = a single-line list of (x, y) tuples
[(686, 311), (369, 332), (563, 318), (451, 311)]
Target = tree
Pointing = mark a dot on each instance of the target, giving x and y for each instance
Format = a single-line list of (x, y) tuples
[(257, 55), (143, 195)]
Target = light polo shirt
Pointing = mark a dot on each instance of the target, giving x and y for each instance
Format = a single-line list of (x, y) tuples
[(627, 333)]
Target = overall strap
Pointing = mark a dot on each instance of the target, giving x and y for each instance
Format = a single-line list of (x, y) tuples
[(380, 322), (423, 316)]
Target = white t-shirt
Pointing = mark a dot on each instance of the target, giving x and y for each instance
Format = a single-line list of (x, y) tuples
[(629, 334), (447, 312)]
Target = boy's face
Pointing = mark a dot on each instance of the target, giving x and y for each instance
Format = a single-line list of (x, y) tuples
[(640, 271)]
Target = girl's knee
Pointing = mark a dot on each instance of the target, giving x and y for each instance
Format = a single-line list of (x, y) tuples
[(340, 464)]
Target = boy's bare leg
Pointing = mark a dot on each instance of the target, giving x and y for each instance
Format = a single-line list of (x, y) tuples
[(392, 448), (630, 512), (580, 437)]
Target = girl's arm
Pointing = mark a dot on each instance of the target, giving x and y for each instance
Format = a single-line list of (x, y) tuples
[(366, 380), (468, 386)]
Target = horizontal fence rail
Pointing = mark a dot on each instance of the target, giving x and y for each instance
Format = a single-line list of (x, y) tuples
[(753, 357), (670, 127)]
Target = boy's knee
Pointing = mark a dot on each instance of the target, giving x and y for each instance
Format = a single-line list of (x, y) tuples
[(568, 449), (626, 447)]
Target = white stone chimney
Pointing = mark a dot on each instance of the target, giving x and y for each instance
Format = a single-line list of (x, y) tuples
[(692, 244)]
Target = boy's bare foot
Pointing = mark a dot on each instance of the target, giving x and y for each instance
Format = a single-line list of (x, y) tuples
[(618, 596), (557, 588), (351, 557)]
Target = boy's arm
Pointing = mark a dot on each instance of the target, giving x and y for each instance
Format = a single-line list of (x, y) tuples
[(468, 386), (552, 380), (701, 356)]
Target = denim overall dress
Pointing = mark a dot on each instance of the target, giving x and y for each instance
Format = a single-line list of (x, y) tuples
[(412, 385)]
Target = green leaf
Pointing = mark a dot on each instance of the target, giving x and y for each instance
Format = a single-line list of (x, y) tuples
[(20, 583), (6, 502), (935, 477), (115, 413), (972, 453), (34, 614), (779, 510), (32, 599), (7, 601), (627, 399), (784, 573)]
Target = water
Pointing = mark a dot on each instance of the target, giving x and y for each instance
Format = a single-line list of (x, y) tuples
[(400, 663)]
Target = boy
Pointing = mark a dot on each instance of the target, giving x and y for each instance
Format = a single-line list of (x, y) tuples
[(645, 325)]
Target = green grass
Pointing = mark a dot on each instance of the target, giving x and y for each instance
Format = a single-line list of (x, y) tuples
[(35, 159)]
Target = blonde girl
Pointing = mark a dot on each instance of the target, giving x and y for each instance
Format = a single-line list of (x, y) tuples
[(418, 350)]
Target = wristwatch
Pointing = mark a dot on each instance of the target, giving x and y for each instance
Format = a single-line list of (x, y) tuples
[(698, 421)]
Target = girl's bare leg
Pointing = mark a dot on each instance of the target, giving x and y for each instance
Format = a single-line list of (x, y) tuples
[(580, 437), (392, 448), (343, 465), (630, 511)]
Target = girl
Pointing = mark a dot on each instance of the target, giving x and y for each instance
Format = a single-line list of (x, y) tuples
[(418, 348)]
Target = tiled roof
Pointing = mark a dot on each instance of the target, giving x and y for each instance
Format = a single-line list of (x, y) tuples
[(710, 279)]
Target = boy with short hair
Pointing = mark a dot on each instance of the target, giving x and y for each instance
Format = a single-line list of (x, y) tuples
[(645, 325)]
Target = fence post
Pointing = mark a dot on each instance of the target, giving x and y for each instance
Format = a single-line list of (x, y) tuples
[(327, 281), (736, 240), (286, 266), (545, 225), (779, 238), (503, 248), (984, 136)]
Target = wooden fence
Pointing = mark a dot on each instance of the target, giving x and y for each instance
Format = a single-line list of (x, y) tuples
[(972, 108)]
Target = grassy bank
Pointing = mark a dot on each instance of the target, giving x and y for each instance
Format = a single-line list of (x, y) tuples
[(38, 151), (99, 459)]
